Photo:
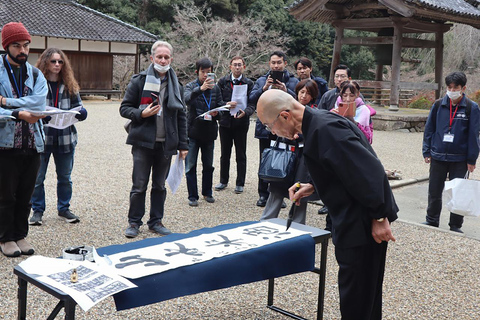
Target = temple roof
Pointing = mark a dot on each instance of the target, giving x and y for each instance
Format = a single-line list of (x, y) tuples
[(440, 11), (68, 19)]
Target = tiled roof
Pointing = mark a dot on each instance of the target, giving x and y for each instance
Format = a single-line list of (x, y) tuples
[(460, 11), (68, 19)]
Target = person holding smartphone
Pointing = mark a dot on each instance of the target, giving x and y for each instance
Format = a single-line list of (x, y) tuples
[(202, 96), (276, 78)]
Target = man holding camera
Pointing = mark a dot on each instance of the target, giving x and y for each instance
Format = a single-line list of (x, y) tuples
[(233, 128), (276, 78), (202, 96), (154, 104)]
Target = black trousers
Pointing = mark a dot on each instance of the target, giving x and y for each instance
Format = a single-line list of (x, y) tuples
[(360, 280), (262, 184), (18, 173), (235, 134), (439, 170)]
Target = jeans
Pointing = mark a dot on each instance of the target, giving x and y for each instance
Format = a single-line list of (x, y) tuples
[(191, 168), (237, 134), (438, 174), (63, 167), (145, 161), (17, 180)]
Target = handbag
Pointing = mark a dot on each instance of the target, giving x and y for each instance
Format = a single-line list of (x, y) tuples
[(461, 196), (127, 125), (278, 164)]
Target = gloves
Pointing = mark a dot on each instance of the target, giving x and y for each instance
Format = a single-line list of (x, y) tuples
[(47, 119), (83, 114)]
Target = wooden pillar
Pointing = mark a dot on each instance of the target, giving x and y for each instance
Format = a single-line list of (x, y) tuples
[(396, 61), (377, 96), (438, 62), (137, 60), (337, 49)]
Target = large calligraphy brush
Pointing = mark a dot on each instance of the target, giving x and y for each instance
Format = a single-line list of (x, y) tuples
[(291, 213)]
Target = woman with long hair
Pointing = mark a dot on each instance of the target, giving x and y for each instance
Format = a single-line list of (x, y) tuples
[(63, 93)]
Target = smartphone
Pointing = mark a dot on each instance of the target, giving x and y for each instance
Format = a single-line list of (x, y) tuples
[(154, 98), (211, 75), (347, 109), (276, 75)]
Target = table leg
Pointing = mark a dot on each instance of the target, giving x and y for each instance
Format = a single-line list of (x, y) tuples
[(271, 286), (322, 274), (22, 299), (70, 305)]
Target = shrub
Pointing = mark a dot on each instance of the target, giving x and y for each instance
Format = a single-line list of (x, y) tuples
[(421, 102), (475, 96)]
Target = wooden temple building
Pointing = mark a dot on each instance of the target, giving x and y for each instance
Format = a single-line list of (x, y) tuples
[(393, 22)]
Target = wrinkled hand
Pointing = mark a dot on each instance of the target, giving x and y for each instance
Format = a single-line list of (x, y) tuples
[(182, 154), (150, 110), (27, 116), (381, 231), (295, 193), (207, 84)]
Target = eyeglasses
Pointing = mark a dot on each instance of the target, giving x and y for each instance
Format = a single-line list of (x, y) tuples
[(341, 76), (55, 61), (270, 126), (237, 64)]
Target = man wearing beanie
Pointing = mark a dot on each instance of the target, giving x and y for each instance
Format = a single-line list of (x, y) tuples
[(23, 89)]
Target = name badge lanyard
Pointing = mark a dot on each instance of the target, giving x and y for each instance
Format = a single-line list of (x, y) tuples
[(55, 102), (209, 102), (452, 116), (17, 88)]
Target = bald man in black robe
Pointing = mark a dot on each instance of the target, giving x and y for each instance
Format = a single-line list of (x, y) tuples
[(351, 182)]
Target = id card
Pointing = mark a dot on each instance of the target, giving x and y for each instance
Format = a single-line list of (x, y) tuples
[(159, 113), (448, 137), (207, 117)]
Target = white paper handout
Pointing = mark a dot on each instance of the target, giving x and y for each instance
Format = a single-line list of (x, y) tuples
[(142, 262), (222, 108), (62, 120), (49, 111), (94, 283), (239, 94), (175, 174), (6, 117)]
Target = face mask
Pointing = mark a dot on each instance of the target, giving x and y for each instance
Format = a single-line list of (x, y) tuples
[(160, 68), (454, 95)]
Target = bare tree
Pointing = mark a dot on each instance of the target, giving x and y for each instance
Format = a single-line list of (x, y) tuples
[(197, 34)]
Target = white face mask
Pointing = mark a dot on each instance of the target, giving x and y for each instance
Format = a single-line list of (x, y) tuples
[(454, 95), (160, 68)]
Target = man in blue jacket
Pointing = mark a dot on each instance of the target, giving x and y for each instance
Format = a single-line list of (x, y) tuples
[(23, 90), (450, 144), (277, 62)]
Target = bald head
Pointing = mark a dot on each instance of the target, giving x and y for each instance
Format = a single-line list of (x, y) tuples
[(281, 113), (271, 103)]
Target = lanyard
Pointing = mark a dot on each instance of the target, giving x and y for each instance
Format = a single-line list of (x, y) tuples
[(19, 94), (209, 101), (452, 116)]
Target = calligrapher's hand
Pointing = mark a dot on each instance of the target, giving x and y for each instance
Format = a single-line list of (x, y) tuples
[(381, 231), (295, 193)]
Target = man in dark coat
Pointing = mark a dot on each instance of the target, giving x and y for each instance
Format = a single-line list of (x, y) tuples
[(352, 182), (234, 125)]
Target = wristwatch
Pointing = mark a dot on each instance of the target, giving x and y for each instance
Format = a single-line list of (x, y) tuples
[(380, 220)]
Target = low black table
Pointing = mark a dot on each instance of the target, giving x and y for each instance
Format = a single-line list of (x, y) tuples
[(320, 237)]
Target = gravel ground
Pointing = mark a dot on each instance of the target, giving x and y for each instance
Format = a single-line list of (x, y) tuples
[(430, 274)]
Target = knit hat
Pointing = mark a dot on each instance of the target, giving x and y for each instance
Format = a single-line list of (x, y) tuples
[(14, 32)]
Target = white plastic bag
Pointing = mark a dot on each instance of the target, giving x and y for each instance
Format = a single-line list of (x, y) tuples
[(462, 196)]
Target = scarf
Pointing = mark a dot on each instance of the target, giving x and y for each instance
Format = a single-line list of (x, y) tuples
[(152, 85)]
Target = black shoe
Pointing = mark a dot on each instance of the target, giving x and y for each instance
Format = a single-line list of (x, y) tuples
[(209, 199), (238, 189), (193, 202), (262, 201), (284, 205), (431, 224), (456, 229), (220, 186), (324, 210)]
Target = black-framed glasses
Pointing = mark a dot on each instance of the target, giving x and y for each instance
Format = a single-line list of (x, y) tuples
[(56, 61), (270, 126)]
